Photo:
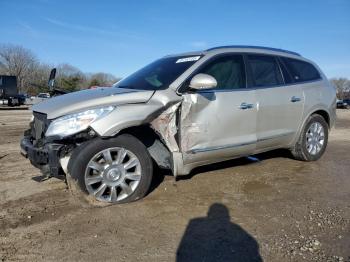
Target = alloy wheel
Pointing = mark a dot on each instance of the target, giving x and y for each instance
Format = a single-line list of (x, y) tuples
[(113, 174), (315, 138)]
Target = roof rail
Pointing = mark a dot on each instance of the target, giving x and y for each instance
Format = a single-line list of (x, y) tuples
[(255, 47)]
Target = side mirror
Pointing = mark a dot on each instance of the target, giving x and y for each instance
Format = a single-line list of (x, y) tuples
[(202, 82), (51, 83)]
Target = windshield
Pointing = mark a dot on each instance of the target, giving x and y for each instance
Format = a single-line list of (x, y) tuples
[(159, 74)]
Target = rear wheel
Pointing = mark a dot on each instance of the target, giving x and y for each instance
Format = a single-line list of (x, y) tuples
[(115, 170), (313, 139)]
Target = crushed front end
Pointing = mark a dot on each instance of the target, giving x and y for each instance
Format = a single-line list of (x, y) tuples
[(44, 152)]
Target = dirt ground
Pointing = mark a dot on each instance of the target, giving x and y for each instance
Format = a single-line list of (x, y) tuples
[(269, 208)]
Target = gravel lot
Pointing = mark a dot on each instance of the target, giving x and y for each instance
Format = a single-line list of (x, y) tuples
[(271, 208)]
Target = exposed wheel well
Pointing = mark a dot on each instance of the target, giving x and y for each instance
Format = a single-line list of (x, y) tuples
[(324, 114), (144, 133), (158, 151)]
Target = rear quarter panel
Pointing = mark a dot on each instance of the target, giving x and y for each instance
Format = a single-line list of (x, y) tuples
[(318, 95)]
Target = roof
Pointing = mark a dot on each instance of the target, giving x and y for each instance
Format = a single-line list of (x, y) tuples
[(254, 47), (239, 48)]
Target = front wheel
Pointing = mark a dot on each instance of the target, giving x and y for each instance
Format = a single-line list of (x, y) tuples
[(313, 139), (116, 170)]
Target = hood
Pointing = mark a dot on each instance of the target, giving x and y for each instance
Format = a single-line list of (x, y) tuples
[(90, 98)]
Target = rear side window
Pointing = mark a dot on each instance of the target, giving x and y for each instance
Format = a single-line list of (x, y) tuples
[(265, 70), (228, 71), (301, 71)]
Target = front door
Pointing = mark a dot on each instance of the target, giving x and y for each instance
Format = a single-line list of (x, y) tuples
[(220, 123)]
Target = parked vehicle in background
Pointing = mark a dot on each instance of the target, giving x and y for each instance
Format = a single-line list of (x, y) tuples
[(180, 112), (342, 104), (43, 95), (22, 98), (39, 98), (347, 101), (9, 91)]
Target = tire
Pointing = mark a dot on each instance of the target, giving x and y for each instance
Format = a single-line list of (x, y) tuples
[(110, 171), (304, 148)]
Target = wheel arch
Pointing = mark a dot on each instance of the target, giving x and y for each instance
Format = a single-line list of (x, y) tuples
[(158, 151), (322, 113), (317, 110)]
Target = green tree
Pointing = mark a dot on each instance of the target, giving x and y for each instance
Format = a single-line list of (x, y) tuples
[(95, 82), (71, 83)]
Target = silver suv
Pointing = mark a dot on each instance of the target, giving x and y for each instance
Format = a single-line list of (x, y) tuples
[(180, 112)]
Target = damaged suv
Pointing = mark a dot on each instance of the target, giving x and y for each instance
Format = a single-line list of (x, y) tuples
[(180, 112)]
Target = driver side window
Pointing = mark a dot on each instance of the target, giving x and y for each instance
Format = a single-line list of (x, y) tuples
[(228, 71)]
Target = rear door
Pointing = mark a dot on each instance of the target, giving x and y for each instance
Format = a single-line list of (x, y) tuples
[(219, 123), (279, 106)]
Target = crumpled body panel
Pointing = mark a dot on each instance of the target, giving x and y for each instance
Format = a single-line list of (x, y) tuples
[(165, 125)]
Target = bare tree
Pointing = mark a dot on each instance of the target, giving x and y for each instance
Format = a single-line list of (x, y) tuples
[(39, 78), (70, 78), (18, 61), (32, 75), (343, 87), (65, 70)]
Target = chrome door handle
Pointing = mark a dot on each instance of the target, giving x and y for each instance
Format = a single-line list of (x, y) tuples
[(295, 99), (245, 105)]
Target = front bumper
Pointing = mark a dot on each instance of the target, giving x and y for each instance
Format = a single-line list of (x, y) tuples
[(45, 158)]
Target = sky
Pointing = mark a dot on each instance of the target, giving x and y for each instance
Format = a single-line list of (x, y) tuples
[(119, 37)]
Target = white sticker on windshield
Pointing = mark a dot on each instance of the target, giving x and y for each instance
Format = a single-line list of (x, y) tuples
[(187, 59)]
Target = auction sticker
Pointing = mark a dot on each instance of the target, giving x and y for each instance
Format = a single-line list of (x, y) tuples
[(187, 59)]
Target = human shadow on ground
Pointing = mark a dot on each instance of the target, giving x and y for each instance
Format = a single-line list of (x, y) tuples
[(216, 238)]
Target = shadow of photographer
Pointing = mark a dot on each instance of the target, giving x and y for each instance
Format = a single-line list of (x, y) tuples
[(216, 238)]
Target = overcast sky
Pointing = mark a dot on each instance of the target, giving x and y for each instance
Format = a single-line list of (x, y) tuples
[(118, 37)]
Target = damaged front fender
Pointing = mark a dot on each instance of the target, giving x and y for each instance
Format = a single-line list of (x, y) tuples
[(165, 126)]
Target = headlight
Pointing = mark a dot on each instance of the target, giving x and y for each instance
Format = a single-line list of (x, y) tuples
[(74, 123)]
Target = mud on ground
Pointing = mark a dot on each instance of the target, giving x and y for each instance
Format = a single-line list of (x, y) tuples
[(272, 208)]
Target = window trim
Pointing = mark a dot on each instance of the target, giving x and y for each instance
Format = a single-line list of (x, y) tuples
[(248, 74), (280, 69), (253, 86), (279, 58), (213, 58), (282, 64)]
